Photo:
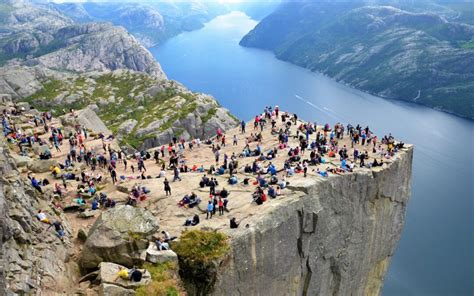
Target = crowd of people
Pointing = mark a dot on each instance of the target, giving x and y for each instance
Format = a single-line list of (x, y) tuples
[(297, 148)]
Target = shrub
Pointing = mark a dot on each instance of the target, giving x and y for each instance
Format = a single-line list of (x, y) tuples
[(200, 253), (164, 282)]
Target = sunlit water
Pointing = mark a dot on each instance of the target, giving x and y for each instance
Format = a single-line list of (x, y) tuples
[(435, 253)]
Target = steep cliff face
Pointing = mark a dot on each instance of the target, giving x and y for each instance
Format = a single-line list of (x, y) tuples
[(333, 237), (32, 258)]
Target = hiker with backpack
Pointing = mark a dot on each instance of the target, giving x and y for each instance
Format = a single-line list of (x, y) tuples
[(132, 274)]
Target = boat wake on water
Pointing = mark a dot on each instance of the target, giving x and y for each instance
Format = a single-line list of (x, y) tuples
[(324, 110)]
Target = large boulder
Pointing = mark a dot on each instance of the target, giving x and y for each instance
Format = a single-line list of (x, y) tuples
[(21, 161), (119, 235), (127, 126), (41, 166), (154, 255), (87, 118), (114, 290)]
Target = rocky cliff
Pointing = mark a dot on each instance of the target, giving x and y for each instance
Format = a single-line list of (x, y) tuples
[(331, 237), (36, 35), (142, 110), (31, 258)]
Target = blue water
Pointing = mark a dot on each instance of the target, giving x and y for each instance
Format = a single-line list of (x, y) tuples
[(435, 253)]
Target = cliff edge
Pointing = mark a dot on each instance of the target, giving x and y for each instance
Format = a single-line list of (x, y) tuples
[(330, 236)]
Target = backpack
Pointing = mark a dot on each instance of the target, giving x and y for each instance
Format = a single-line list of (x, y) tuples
[(136, 275)]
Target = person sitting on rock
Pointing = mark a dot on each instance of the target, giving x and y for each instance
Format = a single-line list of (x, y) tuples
[(272, 192), (56, 171), (233, 223), (232, 180), (58, 190), (161, 245), (224, 193), (196, 220), (193, 200)]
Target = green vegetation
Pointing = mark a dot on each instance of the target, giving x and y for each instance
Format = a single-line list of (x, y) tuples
[(199, 253), (120, 98), (467, 44), (209, 115), (51, 89), (201, 246), (164, 280)]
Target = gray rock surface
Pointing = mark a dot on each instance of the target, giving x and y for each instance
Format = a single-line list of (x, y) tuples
[(119, 235), (153, 255), (108, 273), (88, 118), (337, 238), (41, 166), (45, 42), (114, 290), (100, 47), (32, 259), (127, 126)]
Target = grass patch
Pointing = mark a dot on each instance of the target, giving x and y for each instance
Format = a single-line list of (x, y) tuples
[(467, 44), (200, 253), (163, 283), (201, 246), (210, 113)]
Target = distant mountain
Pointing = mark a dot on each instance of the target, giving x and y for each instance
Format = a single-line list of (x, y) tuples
[(55, 63), (151, 23), (36, 35), (393, 53)]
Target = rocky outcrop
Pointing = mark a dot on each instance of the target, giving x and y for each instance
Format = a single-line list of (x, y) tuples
[(41, 166), (200, 122), (99, 47), (120, 235), (138, 108), (37, 35), (334, 237), (32, 258), (87, 118)]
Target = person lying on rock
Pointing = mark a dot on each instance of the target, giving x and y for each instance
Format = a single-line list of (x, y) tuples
[(42, 217), (132, 274), (36, 184)]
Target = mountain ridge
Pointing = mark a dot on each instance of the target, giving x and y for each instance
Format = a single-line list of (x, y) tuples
[(389, 52)]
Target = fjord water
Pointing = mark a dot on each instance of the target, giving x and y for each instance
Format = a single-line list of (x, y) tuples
[(435, 253)]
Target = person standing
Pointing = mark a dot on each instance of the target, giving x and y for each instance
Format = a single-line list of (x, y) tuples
[(221, 207), (235, 140), (176, 174), (113, 175), (167, 187), (242, 127), (210, 210)]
